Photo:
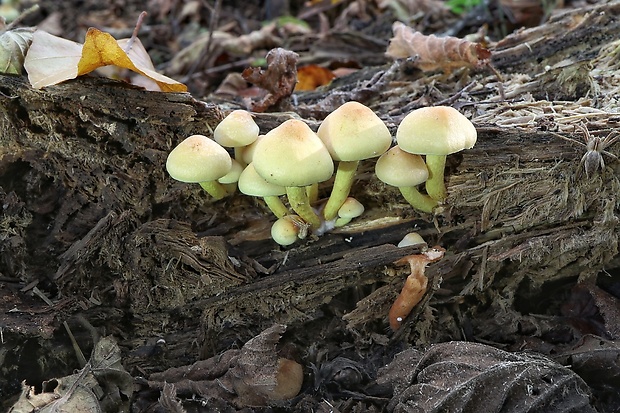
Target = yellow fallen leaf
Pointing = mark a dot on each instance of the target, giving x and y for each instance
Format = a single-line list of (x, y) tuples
[(52, 59)]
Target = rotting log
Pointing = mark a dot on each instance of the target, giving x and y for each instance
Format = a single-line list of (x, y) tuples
[(91, 219)]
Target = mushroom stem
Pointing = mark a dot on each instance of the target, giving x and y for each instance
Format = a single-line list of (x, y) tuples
[(275, 204), (435, 186), (341, 188), (215, 189), (313, 192), (417, 200), (298, 198)]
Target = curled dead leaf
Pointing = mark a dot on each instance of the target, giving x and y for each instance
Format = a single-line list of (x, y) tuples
[(278, 79), (432, 52)]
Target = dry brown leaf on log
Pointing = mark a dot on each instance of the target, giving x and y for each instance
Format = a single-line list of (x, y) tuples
[(279, 79), (432, 52), (51, 59)]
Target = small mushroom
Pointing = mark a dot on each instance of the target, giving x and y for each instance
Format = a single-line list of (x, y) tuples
[(351, 208), (247, 152), (405, 171), (412, 238), (199, 159), (237, 130), (435, 132), (232, 177), (293, 156), (288, 229), (351, 133), (252, 184)]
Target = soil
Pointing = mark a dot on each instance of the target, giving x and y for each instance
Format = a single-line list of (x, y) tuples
[(124, 290)]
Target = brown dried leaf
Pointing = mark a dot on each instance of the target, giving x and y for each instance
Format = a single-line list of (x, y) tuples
[(432, 52), (597, 361), (255, 375), (279, 79), (464, 377)]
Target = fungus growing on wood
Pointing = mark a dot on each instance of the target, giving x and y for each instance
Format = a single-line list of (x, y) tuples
[(199, 159), (351, 133), (435, 132), (405, 171), (288, 229), (293, 156), (252, 184), (412, 238), (351, 208), (236, 130), (415, 284)]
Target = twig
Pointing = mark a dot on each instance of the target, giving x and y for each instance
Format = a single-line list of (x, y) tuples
[(215, 15)]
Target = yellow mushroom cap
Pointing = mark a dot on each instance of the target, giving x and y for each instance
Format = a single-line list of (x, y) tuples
[(285, 231), (237, 129), (354, 132), (247, 152), (401, 169), (292, 155), (438, 130), (351, 208), (412, 238), (198, 159), (233, 175), (252, 184)]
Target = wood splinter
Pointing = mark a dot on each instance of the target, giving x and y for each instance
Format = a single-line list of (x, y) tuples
[(415, 284)]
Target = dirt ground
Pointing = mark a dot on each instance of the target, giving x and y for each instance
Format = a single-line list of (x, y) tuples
[(122, 289)]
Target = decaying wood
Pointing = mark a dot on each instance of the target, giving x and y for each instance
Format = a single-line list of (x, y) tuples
[(121, 238), (576, 35)]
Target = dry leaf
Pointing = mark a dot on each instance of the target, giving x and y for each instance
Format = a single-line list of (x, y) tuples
[(52, 59), (310, 77), (13, 47), (432, 52), (278, 79)]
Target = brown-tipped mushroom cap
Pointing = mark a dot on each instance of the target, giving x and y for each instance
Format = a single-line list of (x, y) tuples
[(438, 130), (401, 169), (354, 132), (236, 130), (198, 159), (252, 184), (292, 155)]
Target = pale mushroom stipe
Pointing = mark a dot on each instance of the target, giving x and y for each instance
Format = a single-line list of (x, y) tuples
[(293, 156)]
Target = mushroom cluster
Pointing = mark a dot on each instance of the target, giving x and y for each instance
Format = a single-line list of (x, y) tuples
[(284, 166)]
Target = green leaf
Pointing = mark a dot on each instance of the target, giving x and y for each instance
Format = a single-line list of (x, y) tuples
[(13, 47)]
